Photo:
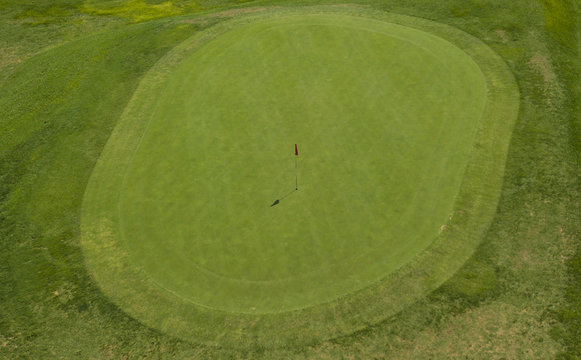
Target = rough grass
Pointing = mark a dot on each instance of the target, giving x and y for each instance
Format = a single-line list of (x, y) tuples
[(134, 10), (516, 298), (564, 32), (40, 236)]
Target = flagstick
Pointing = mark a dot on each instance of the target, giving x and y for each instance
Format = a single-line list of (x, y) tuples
[(296, 173), (296, 167)]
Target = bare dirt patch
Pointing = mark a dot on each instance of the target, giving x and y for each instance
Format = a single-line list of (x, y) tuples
[(502, 35)]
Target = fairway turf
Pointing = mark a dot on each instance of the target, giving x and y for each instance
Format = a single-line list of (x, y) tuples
[(386, 116)]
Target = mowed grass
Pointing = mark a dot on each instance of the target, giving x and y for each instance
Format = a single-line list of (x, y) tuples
[(178, 217), (513, 298), (384, 126)]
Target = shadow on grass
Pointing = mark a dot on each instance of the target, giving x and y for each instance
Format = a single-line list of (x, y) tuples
[(277, 201)]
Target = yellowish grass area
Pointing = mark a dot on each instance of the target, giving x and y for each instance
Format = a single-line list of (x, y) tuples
[(135, 10)]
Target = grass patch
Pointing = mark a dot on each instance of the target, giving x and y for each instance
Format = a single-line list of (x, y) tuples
[(51, 15), (134, 10), (473, 283)]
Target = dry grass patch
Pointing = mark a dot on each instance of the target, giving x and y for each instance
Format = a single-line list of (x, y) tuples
[(541, 65), (492, 331)]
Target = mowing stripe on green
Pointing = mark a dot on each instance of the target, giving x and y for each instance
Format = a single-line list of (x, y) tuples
[(177, 219)]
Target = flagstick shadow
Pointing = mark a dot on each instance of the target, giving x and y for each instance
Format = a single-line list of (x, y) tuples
[(277, 201)]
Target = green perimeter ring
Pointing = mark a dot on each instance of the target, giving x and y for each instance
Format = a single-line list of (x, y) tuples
[(134, 292)]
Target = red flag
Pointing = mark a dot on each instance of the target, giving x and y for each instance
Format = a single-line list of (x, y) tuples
[(296, 150)]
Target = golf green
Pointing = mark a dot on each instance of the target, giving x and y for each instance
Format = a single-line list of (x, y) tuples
[(195, 192), (384, 117)]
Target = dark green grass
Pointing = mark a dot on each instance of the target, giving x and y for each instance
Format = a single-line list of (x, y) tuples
[(501, 304), (60, 148)]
